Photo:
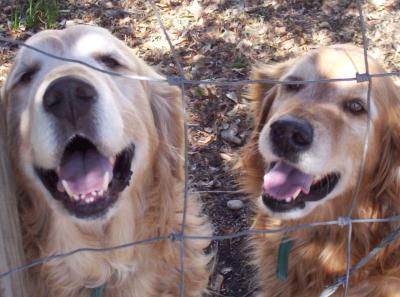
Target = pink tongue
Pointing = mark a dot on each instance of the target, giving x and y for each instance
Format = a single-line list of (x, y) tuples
[(84, 171), (283, 181)]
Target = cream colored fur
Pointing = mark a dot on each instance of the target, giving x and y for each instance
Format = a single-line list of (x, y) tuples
[(146, 113)]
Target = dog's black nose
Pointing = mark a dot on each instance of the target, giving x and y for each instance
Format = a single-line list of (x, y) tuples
[(69, 98), (290, 136)]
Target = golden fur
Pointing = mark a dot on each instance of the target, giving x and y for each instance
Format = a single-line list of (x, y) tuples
[(318, 255), (150, 115)]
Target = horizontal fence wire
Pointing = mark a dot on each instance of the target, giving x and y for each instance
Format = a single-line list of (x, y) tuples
[(181, 236), (176, 80)]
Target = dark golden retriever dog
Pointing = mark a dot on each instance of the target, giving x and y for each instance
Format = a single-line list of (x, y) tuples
[(98, 162), (302, 164)]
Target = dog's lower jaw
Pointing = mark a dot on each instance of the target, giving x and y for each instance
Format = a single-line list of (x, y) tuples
[(294, 214), (289, 192)]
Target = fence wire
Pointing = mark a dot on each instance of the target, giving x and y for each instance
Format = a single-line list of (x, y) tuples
[(181, 81)]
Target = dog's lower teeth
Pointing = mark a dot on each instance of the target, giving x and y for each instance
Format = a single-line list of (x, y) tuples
[(88, 197)]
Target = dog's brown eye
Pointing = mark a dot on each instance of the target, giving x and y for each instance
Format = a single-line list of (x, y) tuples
[(109, 61), (294, 87), (27, 76), (355, 106)]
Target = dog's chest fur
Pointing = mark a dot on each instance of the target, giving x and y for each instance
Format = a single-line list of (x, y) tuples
[(317, 258)]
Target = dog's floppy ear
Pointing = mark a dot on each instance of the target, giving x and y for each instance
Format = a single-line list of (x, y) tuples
[(387, 172), (166, 106), (167, 112), (262, 94), (168, 116)]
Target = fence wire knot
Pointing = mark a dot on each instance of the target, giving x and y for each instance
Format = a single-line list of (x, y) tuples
[(175, 237), (175, 80), (362, 77), (344, 221)]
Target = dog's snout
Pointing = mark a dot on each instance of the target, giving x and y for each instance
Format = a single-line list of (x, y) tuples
[(69, 98), (290, 136)]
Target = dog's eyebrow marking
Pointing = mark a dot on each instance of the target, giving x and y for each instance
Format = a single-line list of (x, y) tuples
[(92, 44)]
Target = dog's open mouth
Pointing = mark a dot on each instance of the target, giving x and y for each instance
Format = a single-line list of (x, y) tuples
[(86, 182), (286, 188)]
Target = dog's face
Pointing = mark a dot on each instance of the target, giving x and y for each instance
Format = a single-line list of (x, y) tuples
[(311, 136), (80, 136)]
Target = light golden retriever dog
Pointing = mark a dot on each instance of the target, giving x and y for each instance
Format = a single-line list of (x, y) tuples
[(302, 163), (98, 161)]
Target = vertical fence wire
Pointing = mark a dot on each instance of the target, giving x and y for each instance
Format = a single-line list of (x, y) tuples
[(186, 151), (365, 149)]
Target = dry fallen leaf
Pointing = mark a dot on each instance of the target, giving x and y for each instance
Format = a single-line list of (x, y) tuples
[(196, 9)]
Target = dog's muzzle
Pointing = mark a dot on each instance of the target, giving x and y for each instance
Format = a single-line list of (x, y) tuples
[(85, 180)]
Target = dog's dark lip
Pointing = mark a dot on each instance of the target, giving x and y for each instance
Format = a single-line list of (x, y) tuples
[(317, 192), (121, 177)]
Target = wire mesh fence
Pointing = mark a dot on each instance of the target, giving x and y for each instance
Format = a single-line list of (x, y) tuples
[(181, 236)]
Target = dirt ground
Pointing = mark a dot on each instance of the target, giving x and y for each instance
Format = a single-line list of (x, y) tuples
[(221, 40)]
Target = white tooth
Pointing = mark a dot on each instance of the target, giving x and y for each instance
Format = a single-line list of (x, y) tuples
[(296, 194), (91, 199), (66, 188), (93, 193), (87, 200), (76, 197), (106, 181), (288, 199), (101, 193), (317, 179)]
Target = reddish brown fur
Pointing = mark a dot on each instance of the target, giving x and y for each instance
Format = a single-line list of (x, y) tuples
[(318, 256), (153, 209)]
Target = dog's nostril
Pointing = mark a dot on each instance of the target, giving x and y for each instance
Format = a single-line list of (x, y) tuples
[(277, 131), (50, 102), (85, 93), (301, 139)]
